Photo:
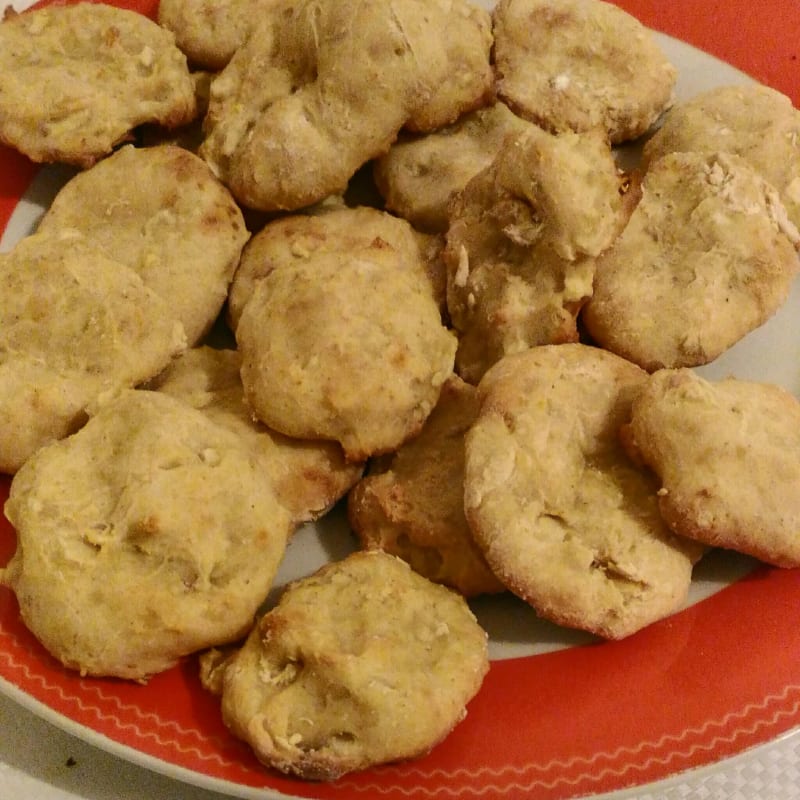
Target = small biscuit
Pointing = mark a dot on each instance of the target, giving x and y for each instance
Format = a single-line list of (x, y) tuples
[(562, 515), (580, 64), (160, 211), (362, 663), (149, 534), (76, 79), (411, 503), (308, 477), (727, 454), (705, 259)]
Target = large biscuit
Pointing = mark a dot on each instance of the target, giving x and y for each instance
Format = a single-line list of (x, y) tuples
[(74, 325), (76, 79), (580, 64), (364, 662), (149, 534), (308, 477), (707, 256), (160, 211), (563, 517), (411, 503), (727, 454)]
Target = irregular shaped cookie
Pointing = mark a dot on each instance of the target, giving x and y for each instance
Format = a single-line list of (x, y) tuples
[(76, 79), (580, 64), (75, 325), (752, 121), (727, 454), (411, 503), (322, 87), (345, 346), (521, 244), (563, 517), (707, 256), (161, 212), (149, 534), (308, 477), (362, 663), (419, 175)]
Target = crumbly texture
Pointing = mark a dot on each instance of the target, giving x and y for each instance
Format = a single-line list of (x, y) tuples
[(320, 88), (752, 121), (76, 79), (580, 64), (522, 241), (161, 212), (705, 259), (411, 503), (347, 346), (362, 663), (727, 454), (421, 174), (149, 534), (563, 517), (75, 325), (308, 477)]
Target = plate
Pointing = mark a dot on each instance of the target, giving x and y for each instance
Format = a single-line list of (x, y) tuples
[(560, 714)]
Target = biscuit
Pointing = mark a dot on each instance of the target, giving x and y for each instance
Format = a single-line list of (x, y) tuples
[(727, 455), (704, 260), (362, 663), (411, 503), (521, 244), (563, 517), (323, 87), (160, 211), (308, 477), (346, 346), (149, 534), (75, 325), (580, 64), (76, 79), (752, 121)]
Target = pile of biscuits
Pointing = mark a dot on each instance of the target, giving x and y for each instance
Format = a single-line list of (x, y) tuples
[(380, 254)]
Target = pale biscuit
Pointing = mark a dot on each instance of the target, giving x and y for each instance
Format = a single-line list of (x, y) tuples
[(707, 256), (580, 64), (752, 121), (727, 454), (323, 87), (411, 503), (563, 517), (347, 346), (419, 175), (521, 244), (75, 325), (308, 477), (76, 79), (149, 534), (362, 663), (160, 211)]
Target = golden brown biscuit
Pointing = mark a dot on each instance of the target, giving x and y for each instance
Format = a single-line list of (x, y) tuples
[(362, 663), (727, 454), (411, 503), (563, 517), (76, 79)]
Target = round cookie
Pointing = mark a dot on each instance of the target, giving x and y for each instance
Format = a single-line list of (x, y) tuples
[(562, 516), (160, 211), (362, 663), (580, 64), (727, 454), (76, 79), (411, 503), (705, 259), (149, 534)]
